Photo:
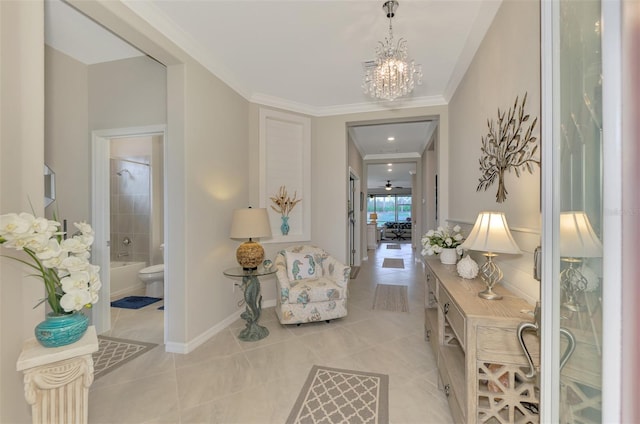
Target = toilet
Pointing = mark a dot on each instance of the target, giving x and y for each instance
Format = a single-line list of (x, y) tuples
[(153, 279)]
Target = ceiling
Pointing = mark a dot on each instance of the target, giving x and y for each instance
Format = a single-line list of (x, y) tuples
[(398, 174), (304, 55)]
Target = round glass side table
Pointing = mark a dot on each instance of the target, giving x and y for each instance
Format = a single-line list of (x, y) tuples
[(253, 300)]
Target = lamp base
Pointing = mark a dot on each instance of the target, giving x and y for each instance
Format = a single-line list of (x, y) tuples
[(249, 255), (574, 307), (491, 275), (573, 283), (489, 295)]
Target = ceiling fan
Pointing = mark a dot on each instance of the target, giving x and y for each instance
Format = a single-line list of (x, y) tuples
[(388, 186)]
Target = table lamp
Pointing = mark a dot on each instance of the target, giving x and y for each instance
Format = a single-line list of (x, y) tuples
[(250, 223), (577, 241), (490, 234), (373, 217)]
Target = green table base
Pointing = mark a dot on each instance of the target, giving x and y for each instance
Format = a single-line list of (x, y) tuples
[(253, 299)]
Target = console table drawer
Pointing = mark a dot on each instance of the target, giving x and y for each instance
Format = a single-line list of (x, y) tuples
[(453, 316), (431, 328), (501, 345)]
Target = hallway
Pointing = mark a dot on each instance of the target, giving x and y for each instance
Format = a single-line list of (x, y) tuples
[(229, 381)]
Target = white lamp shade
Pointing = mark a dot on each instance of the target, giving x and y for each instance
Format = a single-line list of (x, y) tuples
[(250, 223), (491, 234), (577, 238)]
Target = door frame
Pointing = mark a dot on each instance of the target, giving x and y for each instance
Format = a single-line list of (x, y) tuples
[(100, 213), (357, 220)]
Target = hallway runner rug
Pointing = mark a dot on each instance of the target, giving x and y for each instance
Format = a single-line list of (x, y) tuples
[(393, 263), (393, 246), (332, 396), (354, 272), (391, 298), (113, 353)]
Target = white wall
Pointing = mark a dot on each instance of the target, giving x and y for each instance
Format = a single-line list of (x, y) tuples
[(67, 134), (216, 149), (127, 93), (21, 185), (506, 65)]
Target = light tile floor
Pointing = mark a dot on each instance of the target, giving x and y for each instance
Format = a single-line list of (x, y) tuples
[(230, 381)]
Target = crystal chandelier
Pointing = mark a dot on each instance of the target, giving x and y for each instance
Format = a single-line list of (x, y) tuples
[(392, 74)]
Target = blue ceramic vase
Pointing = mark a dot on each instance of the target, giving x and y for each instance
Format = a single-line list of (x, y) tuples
[(285, 225), (61, 329)]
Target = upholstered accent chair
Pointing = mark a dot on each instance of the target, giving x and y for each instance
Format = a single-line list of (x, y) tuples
[(311, 285)]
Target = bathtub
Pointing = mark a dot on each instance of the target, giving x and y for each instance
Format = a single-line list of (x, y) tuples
[(124, 279)]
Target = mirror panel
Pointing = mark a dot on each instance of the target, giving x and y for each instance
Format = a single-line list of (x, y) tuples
[(49, 186)]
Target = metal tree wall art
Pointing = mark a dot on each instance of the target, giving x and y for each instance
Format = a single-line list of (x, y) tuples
[(506, 148)]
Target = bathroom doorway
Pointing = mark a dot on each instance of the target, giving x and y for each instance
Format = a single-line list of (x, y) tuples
[(128, 204)]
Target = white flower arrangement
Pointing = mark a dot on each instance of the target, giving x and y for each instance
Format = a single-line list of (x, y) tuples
[(72, 283), (442, 238)]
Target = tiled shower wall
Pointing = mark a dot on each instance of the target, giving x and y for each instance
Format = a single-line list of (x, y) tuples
[(130, 209)]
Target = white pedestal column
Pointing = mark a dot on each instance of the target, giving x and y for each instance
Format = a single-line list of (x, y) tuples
[(57, 380)]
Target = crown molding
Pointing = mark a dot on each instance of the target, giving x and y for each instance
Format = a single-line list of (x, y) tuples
[(280, 103), (322, 111), (386, 156)]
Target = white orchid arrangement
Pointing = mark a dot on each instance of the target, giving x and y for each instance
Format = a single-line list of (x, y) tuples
[(71, 281), (442, 238)]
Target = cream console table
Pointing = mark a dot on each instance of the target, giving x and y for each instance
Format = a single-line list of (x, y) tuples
[(480, 362), (57, 380)]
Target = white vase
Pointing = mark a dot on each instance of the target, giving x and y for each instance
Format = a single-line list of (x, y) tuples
[(449, 256)]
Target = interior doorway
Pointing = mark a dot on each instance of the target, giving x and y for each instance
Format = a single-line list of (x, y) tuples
[(102, 175), (394, 161)]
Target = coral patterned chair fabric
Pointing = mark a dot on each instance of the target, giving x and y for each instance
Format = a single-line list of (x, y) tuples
[(311, 285)]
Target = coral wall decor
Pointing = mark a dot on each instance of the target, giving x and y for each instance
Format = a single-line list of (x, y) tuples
[(506, 148), (284, 204)]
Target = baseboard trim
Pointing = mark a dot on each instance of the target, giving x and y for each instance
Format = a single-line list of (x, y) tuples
[(198, 341)]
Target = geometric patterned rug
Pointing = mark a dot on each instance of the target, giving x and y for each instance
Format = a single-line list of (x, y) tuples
[(393, 263), (113, 353), (333, 395), (390, 297)]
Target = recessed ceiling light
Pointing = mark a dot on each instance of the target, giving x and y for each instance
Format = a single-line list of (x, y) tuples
[(391, 138), (389, 170), (389, 164)]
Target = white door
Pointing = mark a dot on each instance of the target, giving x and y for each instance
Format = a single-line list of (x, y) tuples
[(581, 239)]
